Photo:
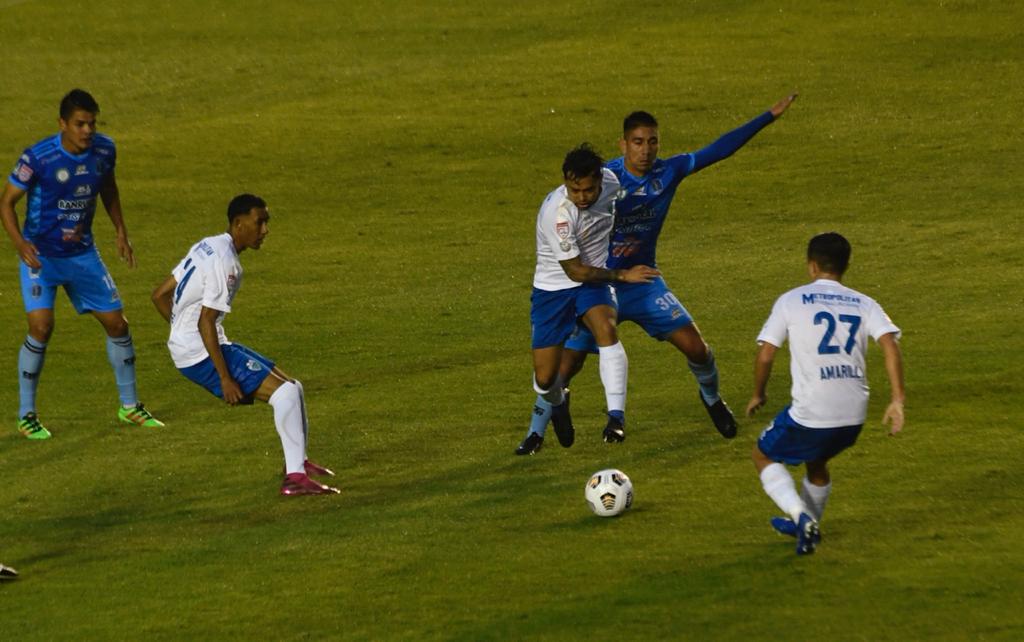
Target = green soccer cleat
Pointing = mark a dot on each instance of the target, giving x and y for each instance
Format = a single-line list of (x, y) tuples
[(138, 416), (30, 427)]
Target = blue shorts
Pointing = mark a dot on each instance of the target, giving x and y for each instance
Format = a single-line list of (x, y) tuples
[(553, 315), (652, 306), (786, 441), (248, 367), (84, 276)]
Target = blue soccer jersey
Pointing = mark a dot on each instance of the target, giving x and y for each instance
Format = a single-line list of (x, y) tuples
[(643, 201), (641, 208), (62, 191)]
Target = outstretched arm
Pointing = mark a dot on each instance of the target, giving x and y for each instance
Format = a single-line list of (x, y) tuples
[(762, 372), (894, 368), (729, 143)]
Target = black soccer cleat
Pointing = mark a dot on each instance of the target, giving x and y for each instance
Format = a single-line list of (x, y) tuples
[(530, 445), (615, 431), (721, 416), (562, 422)]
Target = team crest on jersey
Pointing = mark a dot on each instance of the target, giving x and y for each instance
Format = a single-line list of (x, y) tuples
[(63, 175), (656, 186), (565, 245), (23, 172), (562, 229), (81, 170)]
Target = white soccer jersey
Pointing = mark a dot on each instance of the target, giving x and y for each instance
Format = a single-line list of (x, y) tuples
[(564, 232), (827, 325), (209, 276)]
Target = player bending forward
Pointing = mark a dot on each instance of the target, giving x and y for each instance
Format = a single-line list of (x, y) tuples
[(828, 326), (195, 298), (570, 285)]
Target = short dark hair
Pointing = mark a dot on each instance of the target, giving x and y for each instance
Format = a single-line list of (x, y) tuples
[(77, 99), (243, 204), (582, 162), (638, 119), (831, 251)]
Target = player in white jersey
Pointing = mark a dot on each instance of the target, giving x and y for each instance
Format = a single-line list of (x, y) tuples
[(827, 325), (570, 285), (194, 299)]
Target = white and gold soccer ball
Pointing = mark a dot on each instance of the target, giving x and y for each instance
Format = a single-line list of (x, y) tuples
[(609, 492)]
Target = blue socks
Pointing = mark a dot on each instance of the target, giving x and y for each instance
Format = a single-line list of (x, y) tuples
[(121, 353), (707, 378), (540, 418), (30, 364)]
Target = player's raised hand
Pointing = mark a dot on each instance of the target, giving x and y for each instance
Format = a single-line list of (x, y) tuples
[(756, 403), (640, 274), (894, 417), (780, 107), (29, 254), (124, 250)]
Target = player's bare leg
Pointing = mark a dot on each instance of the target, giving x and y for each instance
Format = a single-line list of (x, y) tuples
[(121, 353), (30, 365), (286, 400), (614, 368), (701, 360)]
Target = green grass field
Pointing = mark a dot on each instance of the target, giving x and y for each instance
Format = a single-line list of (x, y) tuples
[(404, 148)]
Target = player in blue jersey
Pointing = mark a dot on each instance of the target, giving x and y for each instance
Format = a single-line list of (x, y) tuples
[(648, 185), (62, 175)]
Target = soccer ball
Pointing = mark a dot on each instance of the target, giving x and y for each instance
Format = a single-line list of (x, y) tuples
[(609, 492)]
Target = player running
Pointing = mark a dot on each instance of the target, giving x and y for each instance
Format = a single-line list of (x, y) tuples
[(194, 300), (62, 175), (828, 325), (648, 185), (570, 285)]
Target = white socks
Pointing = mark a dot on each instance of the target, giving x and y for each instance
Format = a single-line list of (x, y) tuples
[(305, 419), (289, 419), (778, 483), (554, 396), (614, 368), (815, 497)]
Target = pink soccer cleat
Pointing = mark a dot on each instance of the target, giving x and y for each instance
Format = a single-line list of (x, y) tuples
[(316, 470), (301, 484)]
